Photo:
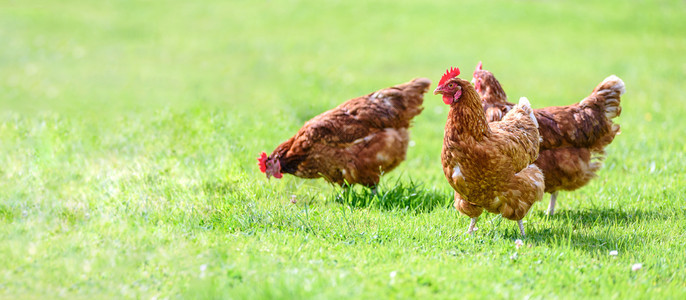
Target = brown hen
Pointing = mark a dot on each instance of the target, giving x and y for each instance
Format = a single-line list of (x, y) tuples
[(574, 136), (353, 143), (489, 165)]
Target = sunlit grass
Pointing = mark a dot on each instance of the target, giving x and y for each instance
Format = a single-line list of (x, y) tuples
[(129, 131)]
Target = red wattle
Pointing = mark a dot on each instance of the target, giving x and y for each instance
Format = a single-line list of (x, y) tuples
[(447, 99)]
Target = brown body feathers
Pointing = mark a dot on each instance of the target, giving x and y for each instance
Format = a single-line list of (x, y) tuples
[(358, 140), (574, 136), (490, 166)]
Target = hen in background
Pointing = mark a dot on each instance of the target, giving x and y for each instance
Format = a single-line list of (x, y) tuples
[(489, 165), (353, 143), (574, 136)]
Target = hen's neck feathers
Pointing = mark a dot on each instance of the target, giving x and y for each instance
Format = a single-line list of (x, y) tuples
[(285, 156), (493, 91), (466, 117)]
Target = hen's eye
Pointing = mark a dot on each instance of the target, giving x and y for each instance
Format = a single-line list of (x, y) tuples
[(452, 85)]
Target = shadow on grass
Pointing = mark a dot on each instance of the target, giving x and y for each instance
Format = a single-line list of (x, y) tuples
[(412, 196), (602, 216), (591, 230), (596, 229), (585, 240)]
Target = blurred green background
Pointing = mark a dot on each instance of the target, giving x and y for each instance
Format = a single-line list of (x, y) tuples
[(126, 55)]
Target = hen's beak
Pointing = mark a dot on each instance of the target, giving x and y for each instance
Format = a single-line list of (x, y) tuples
[(438, 90)]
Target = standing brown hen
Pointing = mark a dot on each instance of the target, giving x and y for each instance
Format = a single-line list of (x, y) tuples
[(574, 136), (353, 143), (489, 165)]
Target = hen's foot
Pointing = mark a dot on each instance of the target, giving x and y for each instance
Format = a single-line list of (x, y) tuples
[(472, 225), (551, 206), (521, 227)]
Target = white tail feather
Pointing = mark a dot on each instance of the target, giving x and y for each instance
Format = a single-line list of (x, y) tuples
[(610, 89), (613, 88), (524, 102), (619, 84)]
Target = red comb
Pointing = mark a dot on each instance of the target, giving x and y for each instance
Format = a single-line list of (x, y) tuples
[(479, 67), (262, 162), (449, 74)]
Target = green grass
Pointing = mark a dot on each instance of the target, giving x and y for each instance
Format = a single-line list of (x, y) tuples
[(129, 131)]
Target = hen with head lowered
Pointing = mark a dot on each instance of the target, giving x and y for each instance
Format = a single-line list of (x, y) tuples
[(353, 143)]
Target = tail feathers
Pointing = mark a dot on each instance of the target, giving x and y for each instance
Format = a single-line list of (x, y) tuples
[(421, 85), (520, 111), (526, 106), (404, 100), (597, 160), (521, 122), (524, 101), (609, 91), (526, 187), (615, 129), (413, 95), (611, 84), (404, 92), (417, 86)]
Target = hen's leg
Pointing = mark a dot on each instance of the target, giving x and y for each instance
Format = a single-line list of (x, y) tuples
[(471, 226), (374, 190), (551, 206), (521, 227), (468, 209)]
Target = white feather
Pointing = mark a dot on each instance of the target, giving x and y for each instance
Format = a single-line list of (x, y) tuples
[(524, 102), (619, 84), (457, 172)]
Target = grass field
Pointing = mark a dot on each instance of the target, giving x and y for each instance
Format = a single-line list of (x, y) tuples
[(129, 131)]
